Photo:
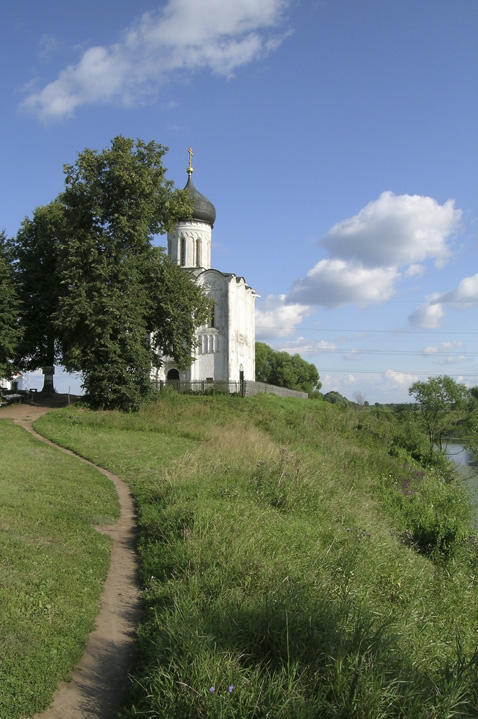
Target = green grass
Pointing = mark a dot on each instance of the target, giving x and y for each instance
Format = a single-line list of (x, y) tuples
[(52, 566), (282, 556)]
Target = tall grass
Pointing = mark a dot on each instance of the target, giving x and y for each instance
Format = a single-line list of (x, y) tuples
[(282, 565)]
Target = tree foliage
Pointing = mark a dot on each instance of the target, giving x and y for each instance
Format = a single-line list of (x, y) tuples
[(36, 250), (442, 405), (336, 398), (10, 329), (122, 303), (178, 308), (285, 370)]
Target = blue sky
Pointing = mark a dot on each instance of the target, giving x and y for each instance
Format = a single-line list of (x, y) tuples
[(336, 138)]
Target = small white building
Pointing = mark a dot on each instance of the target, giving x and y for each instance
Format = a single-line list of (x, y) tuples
[(14, 384), (226, 346)]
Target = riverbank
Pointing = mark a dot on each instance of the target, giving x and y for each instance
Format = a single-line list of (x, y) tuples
[(467, 469)]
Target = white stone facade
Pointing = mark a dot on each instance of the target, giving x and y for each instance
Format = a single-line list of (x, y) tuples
[(189, 245), (15, 383), (226, 347)]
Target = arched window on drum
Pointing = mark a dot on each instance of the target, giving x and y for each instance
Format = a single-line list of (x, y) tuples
[(182, 251), (212, 316)]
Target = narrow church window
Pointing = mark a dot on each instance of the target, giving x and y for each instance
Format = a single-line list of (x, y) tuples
[(183, 251), (212, 316), (198, 253)]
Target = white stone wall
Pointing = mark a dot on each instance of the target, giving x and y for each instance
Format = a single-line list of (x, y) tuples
[(228, 348), (241, 328), (9, 384), (189, 244), (212, 351)]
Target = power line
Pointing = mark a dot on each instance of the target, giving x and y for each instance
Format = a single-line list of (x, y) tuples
[(358, 352), (413, 373), (391, 332)]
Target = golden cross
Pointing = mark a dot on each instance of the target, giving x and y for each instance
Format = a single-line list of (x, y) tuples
[(190, 167)]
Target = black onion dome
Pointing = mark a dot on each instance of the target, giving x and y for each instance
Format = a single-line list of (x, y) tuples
[(204, 210)]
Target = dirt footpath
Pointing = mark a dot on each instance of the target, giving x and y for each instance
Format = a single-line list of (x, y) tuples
[(98, 683)]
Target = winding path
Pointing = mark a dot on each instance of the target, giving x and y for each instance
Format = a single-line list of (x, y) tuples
[(98, 683)]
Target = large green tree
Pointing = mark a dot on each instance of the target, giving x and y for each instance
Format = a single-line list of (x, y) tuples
[(122, 303), (10, 329), (36, 250), (442, 404), (285, 370)]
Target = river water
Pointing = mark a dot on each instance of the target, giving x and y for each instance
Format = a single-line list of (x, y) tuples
[(468, 470)]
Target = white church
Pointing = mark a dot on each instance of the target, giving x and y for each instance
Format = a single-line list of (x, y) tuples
[(225, 349)]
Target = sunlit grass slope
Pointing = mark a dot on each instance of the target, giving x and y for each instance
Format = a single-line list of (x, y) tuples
[(52, 566), (295, 561)]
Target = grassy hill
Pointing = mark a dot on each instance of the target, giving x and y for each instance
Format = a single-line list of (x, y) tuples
[(296, 561)]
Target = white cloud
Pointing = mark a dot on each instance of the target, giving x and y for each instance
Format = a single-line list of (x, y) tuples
[(352, 354), (388, 239), (465, 295), (415, 270), (48, 45), (336, 282), (275, 318), (336, 383), (400, 379), (439, 353), (395, 230), (303, 345), (443, 347), (184, 36), (427, 316), (454, 359)]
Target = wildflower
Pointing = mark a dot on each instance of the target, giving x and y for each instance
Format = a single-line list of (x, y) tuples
[(231, 689), (212, 689)]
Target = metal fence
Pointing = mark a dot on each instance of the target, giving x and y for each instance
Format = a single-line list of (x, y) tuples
[(246, 388)]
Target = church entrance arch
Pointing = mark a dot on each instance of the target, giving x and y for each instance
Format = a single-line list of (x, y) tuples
[(173, 375)]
